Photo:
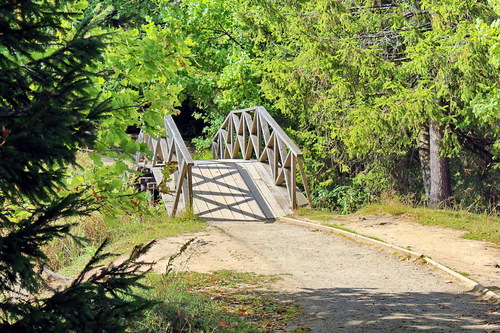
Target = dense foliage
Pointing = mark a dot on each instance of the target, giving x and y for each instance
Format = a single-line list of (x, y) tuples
[(382, 95), (377, 78), (223, 76)]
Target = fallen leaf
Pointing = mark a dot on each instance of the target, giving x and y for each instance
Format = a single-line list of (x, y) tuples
[(243, 311)]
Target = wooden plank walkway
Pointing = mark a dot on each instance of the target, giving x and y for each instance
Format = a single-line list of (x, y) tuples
[(235, 190)]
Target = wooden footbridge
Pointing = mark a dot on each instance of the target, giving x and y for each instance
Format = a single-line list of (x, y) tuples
[(252, 176)]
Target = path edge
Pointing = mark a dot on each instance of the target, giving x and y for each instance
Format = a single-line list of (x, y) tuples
[(485, 292)]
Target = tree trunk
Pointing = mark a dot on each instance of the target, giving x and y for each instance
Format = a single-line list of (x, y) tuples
[(440, 183), (424, 157)]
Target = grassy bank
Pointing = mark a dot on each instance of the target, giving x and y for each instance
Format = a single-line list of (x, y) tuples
[(68, 255), (478, 226), (222, 301)]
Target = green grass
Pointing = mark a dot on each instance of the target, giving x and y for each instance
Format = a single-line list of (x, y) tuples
[(223, 301), (314, 214), (389, 206), (67, 257), (478, 226), (134, 230), (340, 227)]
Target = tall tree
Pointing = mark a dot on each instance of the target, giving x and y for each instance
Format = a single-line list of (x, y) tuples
[(372, 74), (49, 108)]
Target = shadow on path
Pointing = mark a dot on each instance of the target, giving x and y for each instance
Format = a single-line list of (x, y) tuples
[(366, 310)]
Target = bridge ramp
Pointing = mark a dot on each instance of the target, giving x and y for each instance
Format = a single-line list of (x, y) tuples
[(236, 190)]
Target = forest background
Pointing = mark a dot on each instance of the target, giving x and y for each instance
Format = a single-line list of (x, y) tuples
[(397, 98), (384, 97)]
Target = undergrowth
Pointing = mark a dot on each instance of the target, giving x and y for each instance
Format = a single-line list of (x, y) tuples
[(67, 256), (223, 301)]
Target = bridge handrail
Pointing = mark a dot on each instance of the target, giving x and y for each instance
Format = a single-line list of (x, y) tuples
[(240, 133), (171, 149)]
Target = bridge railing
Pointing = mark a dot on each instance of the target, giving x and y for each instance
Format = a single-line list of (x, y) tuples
[(170, 152), (253, 132)]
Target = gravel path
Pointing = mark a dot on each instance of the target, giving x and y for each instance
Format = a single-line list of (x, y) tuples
[(480, 260), (348, 287)]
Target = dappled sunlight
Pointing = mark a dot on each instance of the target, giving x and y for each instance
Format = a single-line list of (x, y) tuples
[(370, 310)]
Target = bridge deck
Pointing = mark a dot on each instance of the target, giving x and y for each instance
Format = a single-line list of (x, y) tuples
[(236, 190)]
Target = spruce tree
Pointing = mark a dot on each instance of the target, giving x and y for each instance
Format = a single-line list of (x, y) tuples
[(374, 84), (48, 110)]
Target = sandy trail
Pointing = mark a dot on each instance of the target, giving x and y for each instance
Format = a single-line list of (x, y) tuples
[(478, 259), (342, 285)]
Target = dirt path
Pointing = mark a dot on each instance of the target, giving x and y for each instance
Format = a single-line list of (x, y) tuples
[(478, 260), (342, 285)]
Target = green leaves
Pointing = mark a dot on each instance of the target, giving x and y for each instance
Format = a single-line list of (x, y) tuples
[(143, 65), (368, 77), (223, 74), (356, 80)]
